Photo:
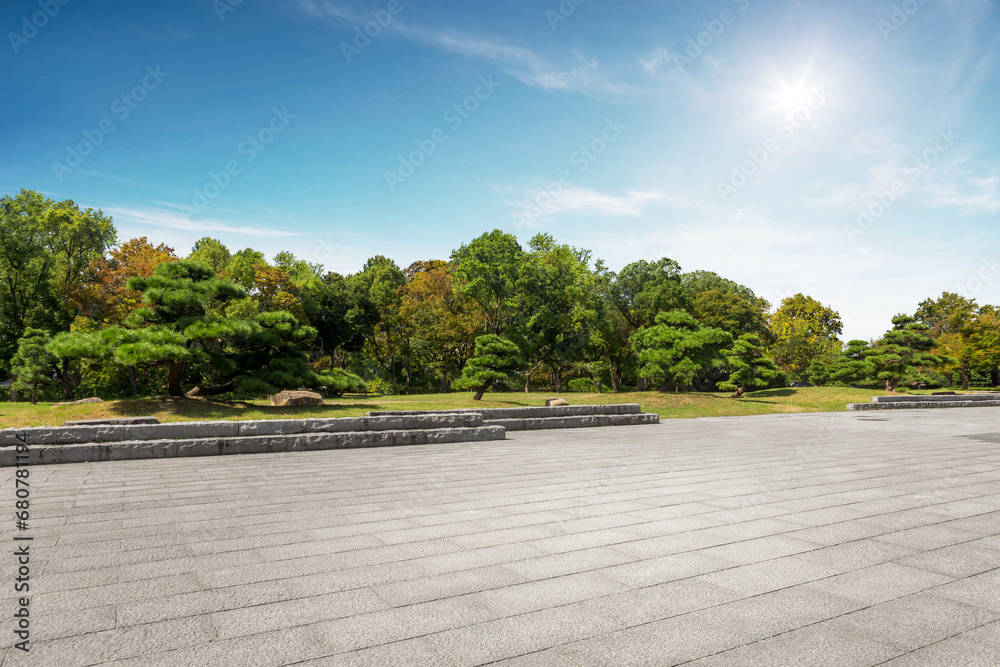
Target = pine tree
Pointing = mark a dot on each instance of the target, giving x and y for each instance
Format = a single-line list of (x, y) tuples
[(902, 351), (33, 365), (749, 367), (495, 360), (677, 348)]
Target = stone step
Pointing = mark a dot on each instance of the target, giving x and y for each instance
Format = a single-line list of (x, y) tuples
[(51, 435), (123, 450), (923, 405), (957, 398), (529, 412), (578, 421)]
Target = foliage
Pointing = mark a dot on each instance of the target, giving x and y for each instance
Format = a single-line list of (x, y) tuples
[(582, 385), (749, 367), (212, 253), (487, 272), (804, 330), (677, 347), (495, 360), (45, 251), (902, 353), (105, 296), (33, 365)]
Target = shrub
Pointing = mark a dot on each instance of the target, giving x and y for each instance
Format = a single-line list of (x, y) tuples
[(582, 385)]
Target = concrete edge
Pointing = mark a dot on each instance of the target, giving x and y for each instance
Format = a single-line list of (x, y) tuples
[(922, 405), (150, 449)]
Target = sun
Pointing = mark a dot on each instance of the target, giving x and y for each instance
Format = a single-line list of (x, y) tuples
[(790, 97)]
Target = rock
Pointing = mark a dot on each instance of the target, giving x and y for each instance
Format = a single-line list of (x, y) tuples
[(293, 398), (555, 401), (82, 401)]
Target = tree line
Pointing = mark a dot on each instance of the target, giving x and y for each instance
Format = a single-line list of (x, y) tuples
[(82, 313)]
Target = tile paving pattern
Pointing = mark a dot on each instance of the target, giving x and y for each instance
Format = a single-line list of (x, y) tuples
[(815, 539)]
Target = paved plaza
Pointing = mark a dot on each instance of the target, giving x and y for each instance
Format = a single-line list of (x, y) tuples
[(834, 539)]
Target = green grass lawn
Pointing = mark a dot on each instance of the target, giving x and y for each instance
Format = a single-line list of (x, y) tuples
[(668, 406)]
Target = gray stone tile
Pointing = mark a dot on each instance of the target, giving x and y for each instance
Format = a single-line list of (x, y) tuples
[(960, 560), (450, 584), (914, 621), (769, 575), (880, 583), (979, 590), (655, 603), (975, 648), (518, 635), (819, 645), (536, 595), (421, 652)]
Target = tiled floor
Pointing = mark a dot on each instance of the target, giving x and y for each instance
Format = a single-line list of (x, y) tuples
[(819, 539)]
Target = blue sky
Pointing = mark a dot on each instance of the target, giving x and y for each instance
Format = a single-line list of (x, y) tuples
[(846, 150)]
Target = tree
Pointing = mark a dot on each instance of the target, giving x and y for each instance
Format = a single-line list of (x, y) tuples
[(211, 252), (732, 312), (487, 271), (902, 351), (695, 282), (33, 366), (45, 251), (748, 365), (851, 368), (343, 315), (677, 348), (495, 360), (382, 282), (558, 306), (177, 296), (804, 330), (965, 334), (442, 322), (105, 296)]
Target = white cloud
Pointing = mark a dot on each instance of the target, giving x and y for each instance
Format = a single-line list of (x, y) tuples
[(542, 204), (979, 196), (170, 220)]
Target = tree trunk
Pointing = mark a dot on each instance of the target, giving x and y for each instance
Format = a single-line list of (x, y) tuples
[(174, 378), (482, 390), (739, 392), (34, 393), (995, 377), (444, 382), (951, 380), (616, 378), (641, 384), (965, 377), (527, 382), (131, 377), (558, 376), (664, 386), (64, 376), (211, 391), (14, 394)]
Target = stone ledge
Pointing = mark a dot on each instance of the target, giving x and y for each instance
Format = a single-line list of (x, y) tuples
[(580, 421), (922, 405), (917, 398), (52, 435), (529, 412), (150, 449)]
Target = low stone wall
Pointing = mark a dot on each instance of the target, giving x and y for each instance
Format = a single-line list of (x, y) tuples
[(917, 398), (923, 405), (579, 421), (149, 449), (50, 435), (531, 412)]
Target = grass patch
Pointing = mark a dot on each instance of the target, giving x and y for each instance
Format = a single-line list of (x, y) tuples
[(668, 406)]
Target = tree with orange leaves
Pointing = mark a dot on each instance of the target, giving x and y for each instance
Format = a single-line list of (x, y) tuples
[(106, 297)]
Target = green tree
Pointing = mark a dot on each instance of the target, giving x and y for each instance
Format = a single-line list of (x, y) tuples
[(46, 250), (495, 360), (487, 272), (902, 352), (749, 367), (33, 366), (853, 368), (804, 330), (733, 313), (211, 252), (677, 348), (382, 282), (558, 299)]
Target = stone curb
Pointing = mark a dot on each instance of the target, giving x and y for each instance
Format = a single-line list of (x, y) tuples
[(529, 412), (52, 435), (150, 449), (581, 421), (958, 398), (920, 405)]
